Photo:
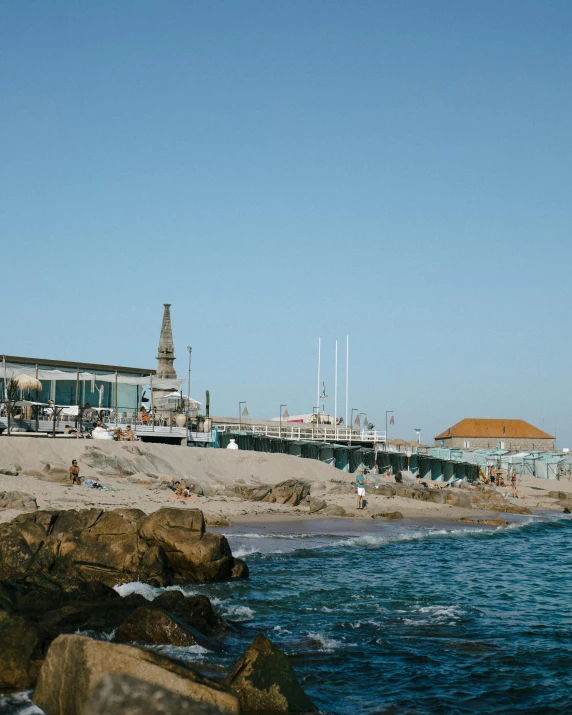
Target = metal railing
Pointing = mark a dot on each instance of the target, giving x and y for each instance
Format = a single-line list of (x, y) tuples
[(311, 432)]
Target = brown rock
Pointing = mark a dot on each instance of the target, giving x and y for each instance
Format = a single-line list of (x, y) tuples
[(197, 610), (435, 496), (511, 509), (153, 626), (265, 680), (458, 498), (385, 490), (497, 521), (258, 493), (74, 665), (316, 505), (334, 510), (17, 500), (125, 695), (240, 569), (21, 652), (291, 492), (114, 547), (388, 515)]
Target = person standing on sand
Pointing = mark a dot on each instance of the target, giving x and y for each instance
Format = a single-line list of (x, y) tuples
[(360, 482), (74, 472), (513, 482)]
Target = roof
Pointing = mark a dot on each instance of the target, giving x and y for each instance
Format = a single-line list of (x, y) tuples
[(89, 366), (508, 429)]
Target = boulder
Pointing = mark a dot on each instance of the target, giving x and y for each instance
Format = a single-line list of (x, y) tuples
[(389, 515), (511, 509), (197, 611), (125, 695), (334, 510), (265, 680), (5, 470), (560, 495), (18, 500), (192, 554), (435, 496), (153, 626), (75, 664), (21, 652), (458, 498), (169, 546), (240, 569), (291, 492), (316, 505), (385, 490), (257, 493), (497, 521)]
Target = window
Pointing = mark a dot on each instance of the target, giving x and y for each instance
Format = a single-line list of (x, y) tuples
[(466, 444), (502, 445)]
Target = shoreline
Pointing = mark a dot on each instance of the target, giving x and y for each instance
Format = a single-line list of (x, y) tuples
[(139, 476)]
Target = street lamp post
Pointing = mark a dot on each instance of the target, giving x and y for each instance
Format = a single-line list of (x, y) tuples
[(387, 412), (240, 414), (315, 415), (190, 349), (354, 409), (281, 406)]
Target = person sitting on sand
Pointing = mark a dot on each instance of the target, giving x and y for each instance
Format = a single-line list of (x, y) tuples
[(129, 435), (179, 488), (360, 483), (74, 472)]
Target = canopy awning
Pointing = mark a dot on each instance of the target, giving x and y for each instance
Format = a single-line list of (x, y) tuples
[(10, 371)]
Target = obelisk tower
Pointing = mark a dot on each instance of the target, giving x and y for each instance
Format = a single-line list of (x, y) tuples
[(166, 353)]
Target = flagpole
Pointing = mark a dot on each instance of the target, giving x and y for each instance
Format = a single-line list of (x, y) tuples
[(319, 350), (347, 375), (336, 388)]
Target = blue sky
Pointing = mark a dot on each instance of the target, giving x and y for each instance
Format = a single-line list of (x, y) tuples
[(396, 171)]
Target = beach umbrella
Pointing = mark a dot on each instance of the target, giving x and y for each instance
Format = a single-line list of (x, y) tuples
[(25, 382)]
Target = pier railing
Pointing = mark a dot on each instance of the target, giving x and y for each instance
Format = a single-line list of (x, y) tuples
[(313, 432)]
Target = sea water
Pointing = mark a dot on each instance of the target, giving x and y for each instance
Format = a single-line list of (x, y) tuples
[(405, 619)]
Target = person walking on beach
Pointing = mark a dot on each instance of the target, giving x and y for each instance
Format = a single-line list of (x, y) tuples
[(513, 482), (74, 472), (360, 482)]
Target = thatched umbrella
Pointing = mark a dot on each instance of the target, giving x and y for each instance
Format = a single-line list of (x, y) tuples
[(25, 382)]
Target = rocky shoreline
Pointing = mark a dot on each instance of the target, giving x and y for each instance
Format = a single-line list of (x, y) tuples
[(57, 572)]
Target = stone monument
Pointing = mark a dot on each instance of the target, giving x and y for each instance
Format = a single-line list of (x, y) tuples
[(165, 357)]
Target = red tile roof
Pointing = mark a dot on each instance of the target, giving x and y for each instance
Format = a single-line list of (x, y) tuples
[(509, 429)]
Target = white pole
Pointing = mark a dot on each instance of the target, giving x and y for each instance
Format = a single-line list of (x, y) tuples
[(319, 350), (347, 375), (336, 389)]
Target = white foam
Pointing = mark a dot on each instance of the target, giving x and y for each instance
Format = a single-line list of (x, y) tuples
[(144, 589), (238, 613), (324, 643), (435, 616), (20, 703)]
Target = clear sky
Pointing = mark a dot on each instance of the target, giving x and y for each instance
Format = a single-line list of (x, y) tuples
[(279, 171)]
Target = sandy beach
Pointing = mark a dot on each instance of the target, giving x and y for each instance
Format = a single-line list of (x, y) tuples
[(139, 476)]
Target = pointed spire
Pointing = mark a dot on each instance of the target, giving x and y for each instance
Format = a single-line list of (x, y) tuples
[(166, 353)]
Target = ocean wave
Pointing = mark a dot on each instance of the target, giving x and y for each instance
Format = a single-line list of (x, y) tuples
[(189, 653), (238, 613), (434, 616), (19, 704), (323, 642), (151, 592), (241, 552)]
